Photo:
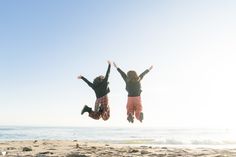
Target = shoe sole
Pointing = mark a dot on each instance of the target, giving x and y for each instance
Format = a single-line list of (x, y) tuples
[(82, 112)]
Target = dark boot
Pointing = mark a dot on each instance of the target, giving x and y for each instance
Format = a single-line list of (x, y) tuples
[(86, 109), (100, 109), (130, 118), (141, 117)]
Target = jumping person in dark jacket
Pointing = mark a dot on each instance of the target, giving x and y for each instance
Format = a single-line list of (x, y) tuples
[(133, 87), (101, 89)]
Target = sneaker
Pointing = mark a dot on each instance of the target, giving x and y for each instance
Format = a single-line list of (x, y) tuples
[(130, 118), (141, 117)]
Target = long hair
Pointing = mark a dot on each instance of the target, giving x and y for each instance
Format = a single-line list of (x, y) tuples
[(132, 76), (98, 80)]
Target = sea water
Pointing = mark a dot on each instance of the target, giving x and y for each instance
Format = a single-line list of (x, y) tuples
[(124, 135)]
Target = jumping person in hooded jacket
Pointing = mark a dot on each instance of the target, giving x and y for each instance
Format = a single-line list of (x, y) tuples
[(133, 87), (101, 89)]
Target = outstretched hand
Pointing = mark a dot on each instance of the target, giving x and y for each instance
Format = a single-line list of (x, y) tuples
[(79, 77), (150, 68), (109, 62)]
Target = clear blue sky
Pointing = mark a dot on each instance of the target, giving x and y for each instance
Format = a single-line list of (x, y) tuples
[(45, 45)]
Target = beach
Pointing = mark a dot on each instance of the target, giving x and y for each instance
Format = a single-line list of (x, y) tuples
[(75, 148)]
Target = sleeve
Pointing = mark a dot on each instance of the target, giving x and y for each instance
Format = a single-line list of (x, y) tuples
[(144, 73), (108, 72), (123, 75), (88, 82)]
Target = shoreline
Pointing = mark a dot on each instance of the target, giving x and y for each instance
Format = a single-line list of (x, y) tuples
[(74, 148)]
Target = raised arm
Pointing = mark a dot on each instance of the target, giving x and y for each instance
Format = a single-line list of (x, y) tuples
[(87, 81), (124, 76), (145, 72), (108, 70)]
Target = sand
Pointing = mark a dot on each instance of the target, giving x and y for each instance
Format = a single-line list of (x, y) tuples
[(57, 148)]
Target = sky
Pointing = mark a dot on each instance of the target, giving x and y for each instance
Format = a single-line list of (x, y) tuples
[(45, 45)]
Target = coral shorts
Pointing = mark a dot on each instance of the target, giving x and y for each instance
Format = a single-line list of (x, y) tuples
[(134, 106)]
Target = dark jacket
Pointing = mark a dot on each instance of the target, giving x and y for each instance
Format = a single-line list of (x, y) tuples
[(102, 88), (133, 87)]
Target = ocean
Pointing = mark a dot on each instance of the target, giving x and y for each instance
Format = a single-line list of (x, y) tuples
[(124, 135)]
